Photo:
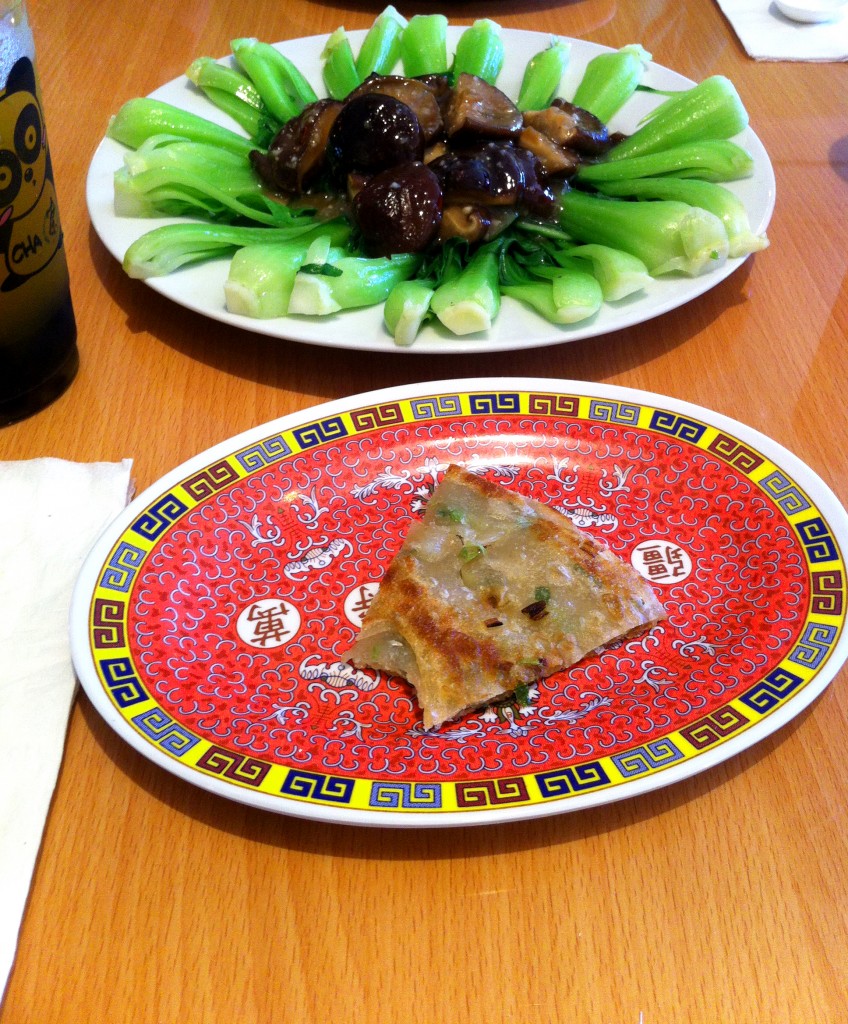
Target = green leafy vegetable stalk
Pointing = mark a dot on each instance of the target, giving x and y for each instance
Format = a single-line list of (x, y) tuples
[(406, 310), (720, 201), (423, 48), (480, 51), (543, 75), (262, 276), (536, 272), (710, 110), (235, 94), (360, 282), (468, 301), (610, 79), (173, 178), (619, 273), (566, 297), (171, 246), (339, 65), (710, 160), (380, 49), (143, 118), (665, 235), (284, 90)]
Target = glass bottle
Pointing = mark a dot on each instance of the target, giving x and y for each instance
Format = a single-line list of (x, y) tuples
[(38, 350)]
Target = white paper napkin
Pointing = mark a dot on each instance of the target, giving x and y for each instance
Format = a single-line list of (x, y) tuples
[(767, 35), (51, 512)]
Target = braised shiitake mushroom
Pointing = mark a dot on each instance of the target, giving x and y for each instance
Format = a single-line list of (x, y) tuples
[(553, 158), (571, 126), (296, 156), (477, 108), (373, 132), (421, 160), (399, 209), (493, 174), (415, 94), (484, 174)]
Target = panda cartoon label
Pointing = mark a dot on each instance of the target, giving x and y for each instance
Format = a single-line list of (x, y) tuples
[(30, 232)]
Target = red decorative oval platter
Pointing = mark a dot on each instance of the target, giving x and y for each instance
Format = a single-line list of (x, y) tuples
[(210, 622)]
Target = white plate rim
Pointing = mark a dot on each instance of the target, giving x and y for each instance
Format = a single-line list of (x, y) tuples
[(200, 289), (821, 494)]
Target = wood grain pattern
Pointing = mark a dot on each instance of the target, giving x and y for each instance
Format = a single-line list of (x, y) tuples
[(720, 899)]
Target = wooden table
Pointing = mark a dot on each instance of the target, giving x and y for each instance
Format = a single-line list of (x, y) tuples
[(722, 898)]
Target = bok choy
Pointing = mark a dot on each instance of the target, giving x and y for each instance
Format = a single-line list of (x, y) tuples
[(710, 110), (665, 235), (706, 194), (169, 177), (171, 246)]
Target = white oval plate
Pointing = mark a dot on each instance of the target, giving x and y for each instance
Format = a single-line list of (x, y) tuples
[(209, 622), (201, 288)]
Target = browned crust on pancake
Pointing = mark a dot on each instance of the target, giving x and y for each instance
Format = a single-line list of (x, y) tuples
[(427, 624), (437, 634)]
